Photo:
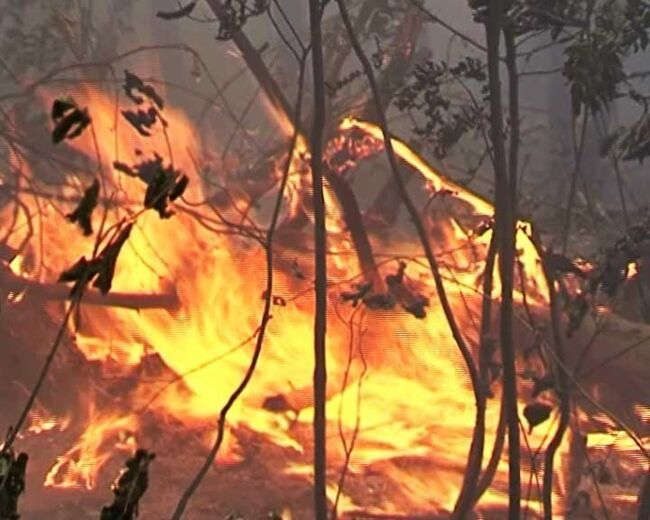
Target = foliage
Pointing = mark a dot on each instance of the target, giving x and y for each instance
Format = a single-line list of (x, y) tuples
[(594, 69), (426, 92), (37, 36), (237, 13)]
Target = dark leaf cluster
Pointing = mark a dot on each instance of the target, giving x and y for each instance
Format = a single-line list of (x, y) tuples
[(445, 123), (82, 214), (613, 269), (536, 413), (236, 13), (69, 120), (100, 269), (164, 183), (593, 69), (143, 120), (137, 90)]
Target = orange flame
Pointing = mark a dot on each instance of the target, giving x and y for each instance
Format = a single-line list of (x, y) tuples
[(405, 391)]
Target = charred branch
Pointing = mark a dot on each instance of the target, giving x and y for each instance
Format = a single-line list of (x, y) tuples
[(11, 283)]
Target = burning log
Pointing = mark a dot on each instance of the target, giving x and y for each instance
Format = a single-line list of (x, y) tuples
[(10, 282)]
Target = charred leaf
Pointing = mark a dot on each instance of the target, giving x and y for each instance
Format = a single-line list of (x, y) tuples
[(81, 272), (180, 187), (398, 277), (157, 194), (360, 292), (384, 302), (69, 120), (164, 183), (536, 413), (82, 214), (124, 168), (143, 120), (542, 384), (133, 86), (277, 404), (184, 11), (108, 259)]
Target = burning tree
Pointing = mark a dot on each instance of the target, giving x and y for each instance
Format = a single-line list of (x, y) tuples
[(474, 313)]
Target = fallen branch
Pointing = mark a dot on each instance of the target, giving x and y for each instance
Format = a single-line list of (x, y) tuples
[(10, 282)]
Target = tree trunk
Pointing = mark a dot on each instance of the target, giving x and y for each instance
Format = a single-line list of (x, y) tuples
[(505, 225), (320, 260)]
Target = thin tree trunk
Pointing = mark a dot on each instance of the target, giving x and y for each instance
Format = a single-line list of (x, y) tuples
[(505, 228), (320, 252)]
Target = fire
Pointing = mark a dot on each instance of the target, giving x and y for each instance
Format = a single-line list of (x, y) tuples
[(79, 467), (397, 381), (42, 423)]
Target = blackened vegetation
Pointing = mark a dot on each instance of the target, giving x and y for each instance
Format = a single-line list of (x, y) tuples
[(183, 12), (139, 92), (164, 184), (135, 89), (100, 269), (613, 269), (334, 87), (12, 482), (129, 488), (143, 120), (236, 13), (82, 214), (536, 413), (558, 265), (399, 292), (69, 120)]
